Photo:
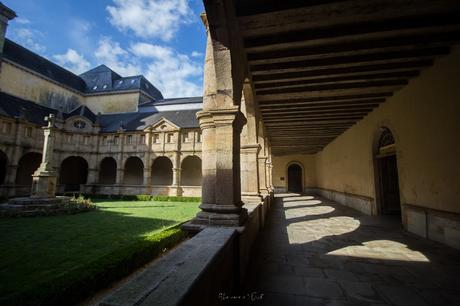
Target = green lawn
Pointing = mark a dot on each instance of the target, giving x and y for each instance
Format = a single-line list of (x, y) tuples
[(44, 255)]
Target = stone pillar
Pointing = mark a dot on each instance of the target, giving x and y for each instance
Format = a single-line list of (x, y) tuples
[(221, 122), (13, 164), (221, 190), (249, 173), (263, 175), (176, 181), (44, 178), (148, 162)]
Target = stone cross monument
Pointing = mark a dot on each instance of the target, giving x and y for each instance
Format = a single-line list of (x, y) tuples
[(44, 179)]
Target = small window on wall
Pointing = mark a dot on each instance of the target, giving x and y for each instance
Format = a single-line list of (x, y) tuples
[(6, 127), (129, 139), (185, 137), (116, 140), (86, 140), (142, 139), (198, 137), (105, 140), (28, 131), (170, 137), (68, 138), (156, 138)]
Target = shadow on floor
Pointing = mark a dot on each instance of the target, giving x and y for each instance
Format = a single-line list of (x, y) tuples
[(313, 251)]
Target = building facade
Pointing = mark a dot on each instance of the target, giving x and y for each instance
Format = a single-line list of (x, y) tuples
[(115, 135)]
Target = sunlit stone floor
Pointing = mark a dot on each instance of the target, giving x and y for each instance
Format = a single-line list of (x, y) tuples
[(316, 252)]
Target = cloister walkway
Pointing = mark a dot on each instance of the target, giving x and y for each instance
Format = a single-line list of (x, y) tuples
[(316, 252)]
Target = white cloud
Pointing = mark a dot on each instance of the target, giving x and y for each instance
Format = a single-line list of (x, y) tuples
[(115, 57), (174, 74), (73, 61), (150, 18), (28, 38), (197, 54), (79, 33), (21, 20)]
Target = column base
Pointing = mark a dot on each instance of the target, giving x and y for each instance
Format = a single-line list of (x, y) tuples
[(176, 190), (205, 219)]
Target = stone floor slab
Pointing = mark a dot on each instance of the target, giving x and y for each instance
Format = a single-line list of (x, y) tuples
[(322, 253)]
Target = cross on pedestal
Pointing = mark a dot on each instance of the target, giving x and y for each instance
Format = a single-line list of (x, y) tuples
[(44, 178), (51, 119)]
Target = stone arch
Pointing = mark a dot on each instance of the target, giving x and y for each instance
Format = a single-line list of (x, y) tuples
[(386, 174), (108, 171), (162, 173), (27, 165), (133, 171), (73, 173), (295, 177), (3, 166), (191, 171)]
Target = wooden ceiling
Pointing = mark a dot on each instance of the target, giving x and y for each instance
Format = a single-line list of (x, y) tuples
[(320, 66)]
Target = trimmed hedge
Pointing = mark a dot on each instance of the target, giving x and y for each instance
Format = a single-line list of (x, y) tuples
[(144, 197), (83, 281)]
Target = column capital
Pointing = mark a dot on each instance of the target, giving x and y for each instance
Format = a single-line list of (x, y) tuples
[(251, 148)]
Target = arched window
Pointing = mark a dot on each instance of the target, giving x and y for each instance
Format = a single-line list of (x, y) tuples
[(162, 171), (74, 172), (191, 171), (108, 171), (386, 141), (26, 167), (134, 171)]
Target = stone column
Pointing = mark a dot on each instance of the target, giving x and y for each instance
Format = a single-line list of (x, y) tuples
[(148, 162), (176, 181), (221, 121), (44, 178), (14, 160), (263, 175), (221, 190), (250, 192)]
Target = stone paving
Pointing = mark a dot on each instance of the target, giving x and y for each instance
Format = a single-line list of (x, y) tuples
[(316, 252)]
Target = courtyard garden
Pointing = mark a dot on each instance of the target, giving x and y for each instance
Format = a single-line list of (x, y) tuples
[(59, 260)]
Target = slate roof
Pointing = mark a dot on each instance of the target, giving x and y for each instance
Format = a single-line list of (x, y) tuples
[(97, 80), (173, 101), (41, 65), (139, 121), (104, 79), (11, 106), (82, 111)]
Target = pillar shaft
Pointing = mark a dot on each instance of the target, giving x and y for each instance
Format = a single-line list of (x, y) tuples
[(249, 171)]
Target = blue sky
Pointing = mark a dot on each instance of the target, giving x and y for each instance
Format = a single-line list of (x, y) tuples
[(161, 39)]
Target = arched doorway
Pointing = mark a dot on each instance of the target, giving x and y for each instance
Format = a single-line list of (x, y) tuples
[(191, 171), (3, 165), (26, 167), (108, 171), (74, 172), (162, 171), (134, 171), (387, 174), (295, 178)]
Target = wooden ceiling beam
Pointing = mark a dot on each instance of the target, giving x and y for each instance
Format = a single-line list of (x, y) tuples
[(343, 13), (341, 79), (369, 59), (413, 40), (351, 69)]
